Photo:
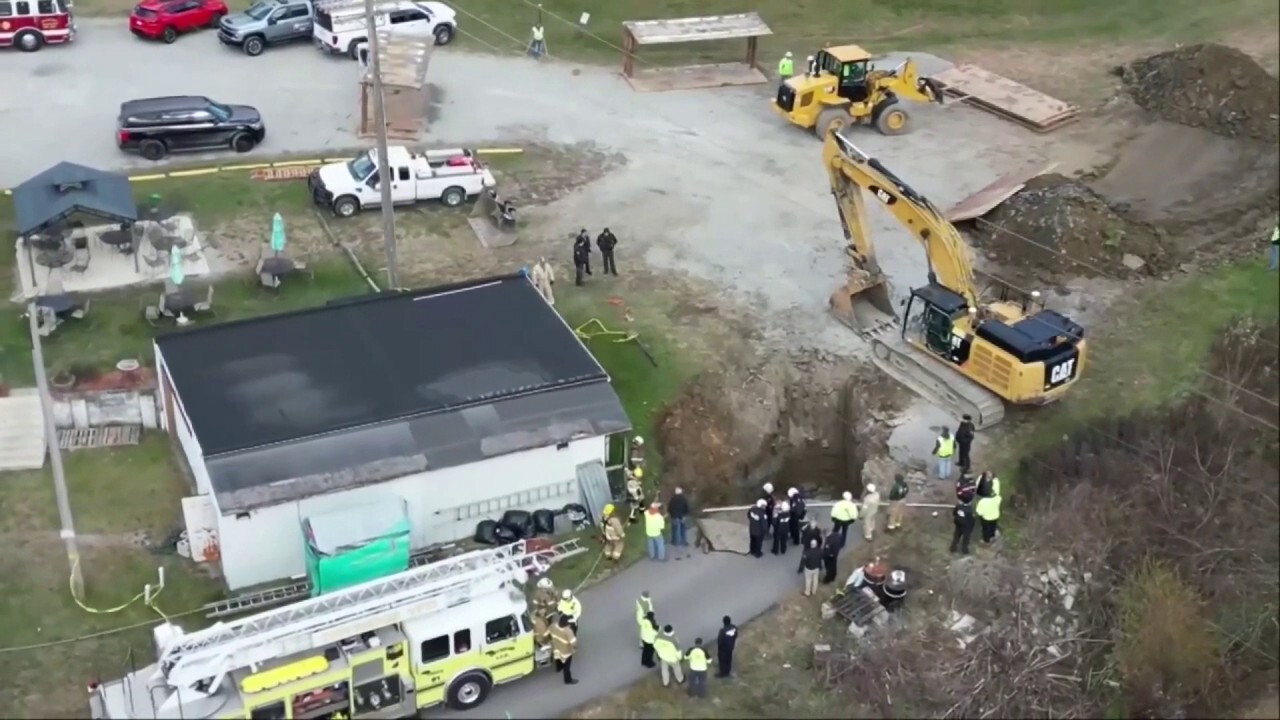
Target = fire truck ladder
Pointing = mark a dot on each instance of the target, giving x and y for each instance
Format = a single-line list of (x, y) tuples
[(200, 660)]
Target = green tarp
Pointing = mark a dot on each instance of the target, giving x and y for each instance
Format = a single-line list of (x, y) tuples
[(357, 544)]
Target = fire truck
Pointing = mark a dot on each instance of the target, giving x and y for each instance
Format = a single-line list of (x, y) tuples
[(31, 24), (443, 633)]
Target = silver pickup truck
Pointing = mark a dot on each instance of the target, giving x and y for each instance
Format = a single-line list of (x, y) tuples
[(267, 22)]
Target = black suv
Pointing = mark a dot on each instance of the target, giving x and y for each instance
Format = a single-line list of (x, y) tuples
[(155, 127)]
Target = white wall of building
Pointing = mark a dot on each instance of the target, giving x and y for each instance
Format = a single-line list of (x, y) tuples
[(266, 545), (181, 426)]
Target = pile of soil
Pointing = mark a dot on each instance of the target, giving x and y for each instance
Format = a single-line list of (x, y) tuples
[(1208, 86), (1037, 233)]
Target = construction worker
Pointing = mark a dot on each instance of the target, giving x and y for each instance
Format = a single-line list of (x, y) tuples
[(810, 564), (678, 509), (988, 484), (944, 448), (756, 525), (964, 439), (543, 277), (637, 451), (635, 493), (962, 517), (668, 650), (770, 504), (781, 528), (564, 642), (614, 533), (544, 600), (654, 525), (537, 42), (1275, 249), (843, 514), (648, 636), (698, 664), (897, 493), (870, 509), (988, 511), (644, 608), (831, 548), (798, 510), (607, 241), (786, 67), (570, 608), (726, 641), (811, 66)]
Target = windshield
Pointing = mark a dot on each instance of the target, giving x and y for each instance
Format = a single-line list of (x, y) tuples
[(259, 11), (220, 112), (361, 167)]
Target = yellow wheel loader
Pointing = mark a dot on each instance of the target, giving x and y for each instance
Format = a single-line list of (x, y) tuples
[(965, 353), (847, 88)]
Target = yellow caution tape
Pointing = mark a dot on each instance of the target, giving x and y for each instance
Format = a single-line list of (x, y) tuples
[(598, 329)]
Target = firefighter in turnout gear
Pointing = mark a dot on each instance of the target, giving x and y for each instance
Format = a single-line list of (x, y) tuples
[(570, 608), (542, 637), (635, 493), (614, 533), (544, 600), (637, 451), (564, 642)]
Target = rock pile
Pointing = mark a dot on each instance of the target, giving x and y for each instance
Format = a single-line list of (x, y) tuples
[(1051, 596), (1056, 225), (1208, 86)]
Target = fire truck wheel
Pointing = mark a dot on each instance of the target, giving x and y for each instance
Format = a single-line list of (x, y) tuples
[(242, 142), (468, 691), (152, 149), (29, 41), (169, 36)]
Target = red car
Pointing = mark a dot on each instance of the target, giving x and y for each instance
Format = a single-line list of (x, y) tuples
[(165, 19)]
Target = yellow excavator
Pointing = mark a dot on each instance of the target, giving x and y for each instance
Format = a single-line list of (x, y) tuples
[(962, 352), (849, 89)]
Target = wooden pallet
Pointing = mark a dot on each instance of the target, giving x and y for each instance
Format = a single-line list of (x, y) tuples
[(99, 437), (1006, 98)]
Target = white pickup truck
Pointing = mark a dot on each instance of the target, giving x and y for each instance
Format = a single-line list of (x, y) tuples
[(450, 176), (340, 27)]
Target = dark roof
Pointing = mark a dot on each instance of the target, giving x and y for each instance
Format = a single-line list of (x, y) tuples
[(373, 360), (68, 188), (1035, 338), (944, 299)]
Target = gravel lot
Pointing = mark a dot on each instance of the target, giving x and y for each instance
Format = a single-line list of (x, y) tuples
[(715, 185)]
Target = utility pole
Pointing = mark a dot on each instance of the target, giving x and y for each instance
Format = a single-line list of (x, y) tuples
[(384, 169), (55, 456)]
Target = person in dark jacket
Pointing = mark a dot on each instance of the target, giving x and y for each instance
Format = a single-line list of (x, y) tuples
[(962, 516), (811, 532), (964, 440), (725, 643), (781, 528), (830, 554), (581, 261), (811, 562), (607, 242), (583, 244), (770, 503), (678, 510), (756, 524), (798, 509), (966, 487), (897, 501)]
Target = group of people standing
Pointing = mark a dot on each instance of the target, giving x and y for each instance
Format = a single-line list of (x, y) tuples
[(660, 648), (555, 626), (977, 498), (606, 241)]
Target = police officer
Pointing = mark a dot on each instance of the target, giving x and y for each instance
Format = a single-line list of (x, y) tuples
[(843, 514), (564, 642), (962, 517), (726, 641), (966, 487), (607, 241), (648, 636), (770, 503), (944, 448), (570, 608), (798, 510), (614, 533), (698, 663), (964, 439), (581, 256), (781, 528), (669, 657), (830, 554), (756, 524)]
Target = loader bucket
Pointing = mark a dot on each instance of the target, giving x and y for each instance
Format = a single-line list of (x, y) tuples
[(863, 303)]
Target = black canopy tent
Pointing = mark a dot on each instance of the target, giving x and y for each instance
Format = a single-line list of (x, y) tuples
[(68, 188)]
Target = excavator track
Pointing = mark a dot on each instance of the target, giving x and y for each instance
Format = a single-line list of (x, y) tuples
[(931, 379)]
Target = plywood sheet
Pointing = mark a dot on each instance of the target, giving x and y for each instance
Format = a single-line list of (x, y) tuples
[(1009, 99), (696, 29), (692, 77), (1002, 188)]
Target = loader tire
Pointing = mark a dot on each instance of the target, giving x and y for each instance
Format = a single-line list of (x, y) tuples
[(892, 119), (836, 118)]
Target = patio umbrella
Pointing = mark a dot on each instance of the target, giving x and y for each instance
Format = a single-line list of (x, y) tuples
[(277, 234), (176, 273)]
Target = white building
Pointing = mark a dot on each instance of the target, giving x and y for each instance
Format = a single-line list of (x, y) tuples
[(464, 401)]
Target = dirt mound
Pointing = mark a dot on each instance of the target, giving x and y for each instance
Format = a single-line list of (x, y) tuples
[(1209, 86), (1054, 220)]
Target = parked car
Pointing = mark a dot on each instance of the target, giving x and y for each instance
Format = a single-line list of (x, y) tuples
[(450, 176), (166, 19), (31, 24), (155, 127), (267, 22), (341, 28)]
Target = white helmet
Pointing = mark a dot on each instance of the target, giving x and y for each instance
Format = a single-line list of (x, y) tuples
[(566, 594), (809, 58), (637, 441), (788, 53), (792, 492), (847, 496), (768, 487), (760, 502), (784, 506), (544, 582)]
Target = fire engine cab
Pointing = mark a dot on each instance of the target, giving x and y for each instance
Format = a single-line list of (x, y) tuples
[(31, 24)]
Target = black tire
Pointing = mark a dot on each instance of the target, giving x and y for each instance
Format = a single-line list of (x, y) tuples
[(153, 150), (243, 142), (29, 41), (836, 118), (254, 46), (353, 50), (453, 196), (216, 21), (346, 206), (169, 36), (892, 119), (468, 691), (444, 34)]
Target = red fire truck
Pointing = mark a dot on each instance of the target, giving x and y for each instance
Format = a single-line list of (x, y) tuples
[(31, 24)]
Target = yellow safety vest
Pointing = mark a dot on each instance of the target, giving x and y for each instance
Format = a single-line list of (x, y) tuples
[(844, 511), (786, 66), (570, 608), (537, 33), (698, 660), (666, 648), (988, 508), (654, 524), (946, 447), (648, 633)]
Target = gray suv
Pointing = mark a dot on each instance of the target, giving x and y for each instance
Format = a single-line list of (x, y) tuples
[(267, 22)]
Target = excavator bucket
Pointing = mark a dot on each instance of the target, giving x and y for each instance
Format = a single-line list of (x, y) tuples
[(863, 303)]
